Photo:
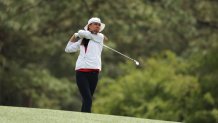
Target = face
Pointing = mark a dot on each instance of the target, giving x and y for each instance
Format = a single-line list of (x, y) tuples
[(94, 27)]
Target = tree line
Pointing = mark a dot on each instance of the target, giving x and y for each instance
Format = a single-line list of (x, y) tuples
[(174, 40)]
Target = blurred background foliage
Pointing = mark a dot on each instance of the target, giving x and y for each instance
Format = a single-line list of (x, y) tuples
[(175, 41)]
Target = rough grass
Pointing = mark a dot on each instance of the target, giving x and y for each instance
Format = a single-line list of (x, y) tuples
[(33, 115)]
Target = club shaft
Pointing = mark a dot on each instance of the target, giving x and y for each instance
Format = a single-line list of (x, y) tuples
[(116, 51), (119, 52)]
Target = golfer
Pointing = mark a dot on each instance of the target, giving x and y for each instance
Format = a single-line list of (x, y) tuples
[(88, 65)]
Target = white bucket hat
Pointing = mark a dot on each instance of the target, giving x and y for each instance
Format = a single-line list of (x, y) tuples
[(95, 20)]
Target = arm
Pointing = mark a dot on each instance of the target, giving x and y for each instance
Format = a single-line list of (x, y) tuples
[(74, 38), (84, 34), (73, 44)]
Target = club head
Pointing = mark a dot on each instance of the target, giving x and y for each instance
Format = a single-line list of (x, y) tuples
[(136, 62)]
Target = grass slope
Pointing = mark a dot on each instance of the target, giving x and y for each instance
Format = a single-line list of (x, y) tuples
[(33, 115)]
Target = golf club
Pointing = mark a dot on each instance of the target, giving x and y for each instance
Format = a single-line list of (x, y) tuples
[(136, 62)]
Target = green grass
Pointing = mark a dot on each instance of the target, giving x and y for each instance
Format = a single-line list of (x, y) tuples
[(33, 115)]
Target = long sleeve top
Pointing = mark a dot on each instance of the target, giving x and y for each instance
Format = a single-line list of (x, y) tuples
[(89, 58)]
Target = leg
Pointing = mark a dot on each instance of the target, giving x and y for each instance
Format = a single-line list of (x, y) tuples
[(83, 85), (93, 80)]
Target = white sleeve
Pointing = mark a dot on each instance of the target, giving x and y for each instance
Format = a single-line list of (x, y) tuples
[(72, 46), (85, 34), (99, 38)]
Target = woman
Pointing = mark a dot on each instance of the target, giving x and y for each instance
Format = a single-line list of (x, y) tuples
[(88, 65)]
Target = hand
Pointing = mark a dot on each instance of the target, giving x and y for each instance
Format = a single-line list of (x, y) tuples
[(74, 38)]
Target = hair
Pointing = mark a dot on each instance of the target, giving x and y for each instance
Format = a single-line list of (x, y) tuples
[(85, 42)]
